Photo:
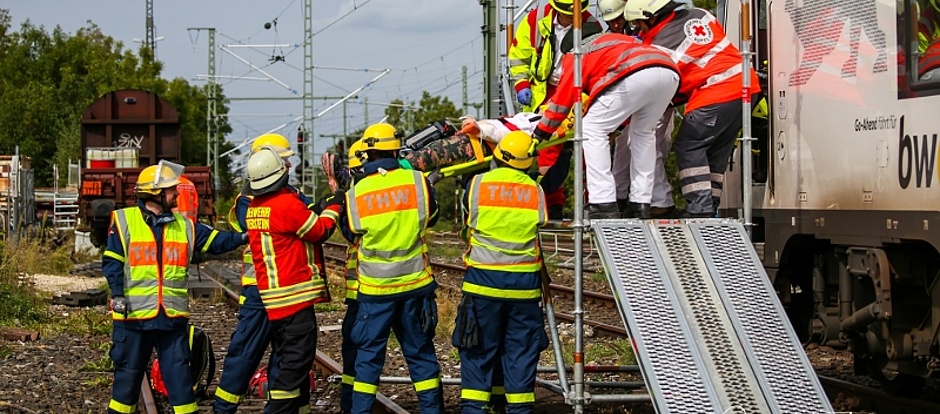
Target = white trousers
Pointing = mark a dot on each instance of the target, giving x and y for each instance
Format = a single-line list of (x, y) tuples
[(662, 189), (642, 97)]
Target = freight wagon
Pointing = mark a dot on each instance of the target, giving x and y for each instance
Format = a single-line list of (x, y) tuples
[(123, 132)]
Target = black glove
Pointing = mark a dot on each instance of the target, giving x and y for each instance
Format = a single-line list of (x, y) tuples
[(568, 146), (337, 199), (541, 135), (120, 305)]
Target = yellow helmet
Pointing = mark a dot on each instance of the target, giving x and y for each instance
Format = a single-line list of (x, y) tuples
[(155, 178), (567, 6), (380, 137), (516, 149), (278, 141), (355, 151)]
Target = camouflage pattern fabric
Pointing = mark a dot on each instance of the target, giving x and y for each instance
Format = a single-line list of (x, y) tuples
[(445, 152)]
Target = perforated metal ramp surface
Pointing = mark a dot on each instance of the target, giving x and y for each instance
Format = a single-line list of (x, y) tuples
[(710, 333)]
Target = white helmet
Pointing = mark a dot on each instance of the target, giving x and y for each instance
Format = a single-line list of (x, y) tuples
[(610, 9), (644, 9), (266, 170)]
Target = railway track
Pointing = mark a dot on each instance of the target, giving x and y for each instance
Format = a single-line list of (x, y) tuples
[(323, 362)]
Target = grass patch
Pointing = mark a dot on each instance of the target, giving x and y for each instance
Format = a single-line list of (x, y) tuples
[(5, 351), (99, 381), (20, 305), (81, 322), (103, 364), (446, 314), (327, 307)]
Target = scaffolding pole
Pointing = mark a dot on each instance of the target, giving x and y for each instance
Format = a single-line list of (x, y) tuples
[(578, 399), (746, 138)]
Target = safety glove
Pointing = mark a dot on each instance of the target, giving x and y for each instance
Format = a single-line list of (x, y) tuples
[(524, 96), (120, 305)]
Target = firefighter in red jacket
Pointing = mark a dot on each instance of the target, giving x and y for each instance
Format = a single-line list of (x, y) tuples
[(282, 235), (624, 78), (710, 66)]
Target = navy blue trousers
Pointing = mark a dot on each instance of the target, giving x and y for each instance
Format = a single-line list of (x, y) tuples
[(131, 351), (245, 352), (414, 321), (349, 351), (512, 334)]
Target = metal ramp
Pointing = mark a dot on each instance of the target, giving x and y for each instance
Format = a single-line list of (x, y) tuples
[(709, 331)]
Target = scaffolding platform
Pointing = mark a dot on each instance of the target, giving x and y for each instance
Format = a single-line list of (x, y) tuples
[(709, 331)]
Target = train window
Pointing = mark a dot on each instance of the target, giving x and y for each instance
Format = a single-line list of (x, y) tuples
[(918, 48)]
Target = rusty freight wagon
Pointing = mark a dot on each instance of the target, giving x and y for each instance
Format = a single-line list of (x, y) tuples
[(123, 132)]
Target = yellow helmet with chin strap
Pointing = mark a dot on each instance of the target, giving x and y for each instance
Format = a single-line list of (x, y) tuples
[(381, 137), (277, 141), (355, 154), (156, 178), (516, 149)]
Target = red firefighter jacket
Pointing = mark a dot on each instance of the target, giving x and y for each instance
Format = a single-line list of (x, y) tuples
[(709, 64), (607, 59), (284, 238)]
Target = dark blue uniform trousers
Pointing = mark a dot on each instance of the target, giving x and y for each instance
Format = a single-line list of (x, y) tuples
[(131, 351), (349, 356), (512, 334), (294, 342), (245, 351), (414, 321)]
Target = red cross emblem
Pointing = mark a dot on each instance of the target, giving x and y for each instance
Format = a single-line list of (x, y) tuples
[(699, 30)]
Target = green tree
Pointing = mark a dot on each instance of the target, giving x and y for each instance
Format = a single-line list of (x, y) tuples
[(48, 78)]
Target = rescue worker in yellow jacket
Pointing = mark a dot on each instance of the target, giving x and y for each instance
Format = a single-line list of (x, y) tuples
[(145, 262), (537, 48), (349, 350), (389, 209), (500, 319)]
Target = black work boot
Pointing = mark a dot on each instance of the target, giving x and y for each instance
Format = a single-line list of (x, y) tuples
[(640, 210), (624, 206), (603, 211)]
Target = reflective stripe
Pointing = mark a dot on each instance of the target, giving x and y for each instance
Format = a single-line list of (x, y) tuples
[(474, 395), (501, 293), (267, 254), (205, 247), (699, 186), (114, 256), (506, 245), (694, 172), (428, 384), (348, 379), (284, 395), (723, 76), (305, 228), (121, 407), (482, 254), (716, 192), (304, 409), (186, 408), (392, 254), (365, 388), (520, 397), (717, 178), (392, 269)]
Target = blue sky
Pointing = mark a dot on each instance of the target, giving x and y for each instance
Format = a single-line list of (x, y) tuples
[(423, 42)]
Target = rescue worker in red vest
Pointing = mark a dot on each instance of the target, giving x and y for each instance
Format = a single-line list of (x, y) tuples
[(710, 66), (253, 332), (505, 209), (389, 209), (282, 233), (349, 348), (145, 262), (928, 41), (624, 79), (661, 205)]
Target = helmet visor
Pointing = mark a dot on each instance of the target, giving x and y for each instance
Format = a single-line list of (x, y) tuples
[(168, 174)]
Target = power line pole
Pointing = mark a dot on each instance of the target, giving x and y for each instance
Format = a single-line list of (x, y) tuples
[(491, 96), (150, 40), (466, 101), (212, 113), (305, 144)]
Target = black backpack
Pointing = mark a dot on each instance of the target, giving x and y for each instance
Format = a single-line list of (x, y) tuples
[(201, 365)]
